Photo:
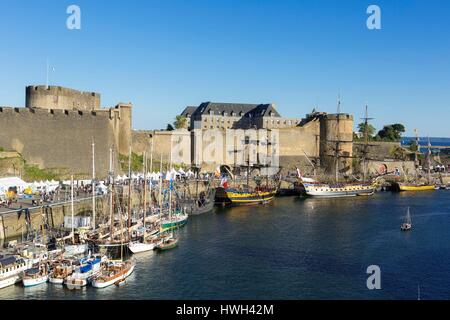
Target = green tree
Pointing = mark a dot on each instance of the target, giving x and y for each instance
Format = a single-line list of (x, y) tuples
[(392, 132), (370, 129), (180, 122), (169, 127)]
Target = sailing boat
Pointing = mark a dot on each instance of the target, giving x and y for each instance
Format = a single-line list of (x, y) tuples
[(73, 248), (114, 272), (317, 189), (145, 245), (168, 242), (245, 195), (407, 224)]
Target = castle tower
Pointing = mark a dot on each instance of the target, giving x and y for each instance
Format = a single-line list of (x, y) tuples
[(336, 135), (55, 97)]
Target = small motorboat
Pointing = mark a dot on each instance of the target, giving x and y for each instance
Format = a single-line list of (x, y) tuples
[(407, 224)]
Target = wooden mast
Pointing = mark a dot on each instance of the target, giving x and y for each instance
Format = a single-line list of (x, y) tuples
[(159, 196), (336, 154), (145, 193), (71, 208), (111, 198), (129, 194), (93, 185)]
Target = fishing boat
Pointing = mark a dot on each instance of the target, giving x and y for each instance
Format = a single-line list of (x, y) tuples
[(35, 276), (84, 272), (113, 272), (61, 271), (11, 269), (407, 224)]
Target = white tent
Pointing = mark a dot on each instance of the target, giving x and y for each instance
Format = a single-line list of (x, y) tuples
[(11, 182)]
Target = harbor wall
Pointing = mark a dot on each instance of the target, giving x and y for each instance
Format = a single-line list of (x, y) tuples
[(13, 224)]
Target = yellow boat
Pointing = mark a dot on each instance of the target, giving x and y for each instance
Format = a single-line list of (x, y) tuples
[(406, 187)]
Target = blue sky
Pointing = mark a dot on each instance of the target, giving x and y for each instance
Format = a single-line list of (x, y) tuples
[(162, 55)]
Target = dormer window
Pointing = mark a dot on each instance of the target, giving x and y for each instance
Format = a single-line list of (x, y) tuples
[(224, 113), (211, 111), (241, 114)]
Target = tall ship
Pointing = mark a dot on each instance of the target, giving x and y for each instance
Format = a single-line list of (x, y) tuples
[(314, 188), (244, 194)]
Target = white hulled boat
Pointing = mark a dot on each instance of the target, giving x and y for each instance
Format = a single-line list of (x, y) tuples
[(113, 272), (12, 269)]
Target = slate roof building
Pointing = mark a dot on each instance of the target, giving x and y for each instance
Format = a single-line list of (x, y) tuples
[(217, 115)]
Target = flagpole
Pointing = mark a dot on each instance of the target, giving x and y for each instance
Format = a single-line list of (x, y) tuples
[(46, 82)]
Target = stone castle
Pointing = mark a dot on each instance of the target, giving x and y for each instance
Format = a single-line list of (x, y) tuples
[(57, 126)]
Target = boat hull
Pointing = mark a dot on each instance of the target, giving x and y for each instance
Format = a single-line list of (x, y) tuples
[(34, 281), (9, 281), (138, 247), (327, 191), (416, 188), (104, 284), (238, 198)]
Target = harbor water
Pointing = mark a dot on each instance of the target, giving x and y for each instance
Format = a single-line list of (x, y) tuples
[(293, 248)]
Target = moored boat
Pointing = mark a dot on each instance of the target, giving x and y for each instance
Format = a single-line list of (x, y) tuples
[(35, 276), (11, 269), (168, 244), (338, 190), (113, 272), (60, 272), (175, 221), (84, 273), (244, 196)]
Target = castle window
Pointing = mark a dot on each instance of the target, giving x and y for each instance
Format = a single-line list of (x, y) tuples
[(80, 112), (51, 111), (66, 112), (1, 109), (93, 113), (16, 110)]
